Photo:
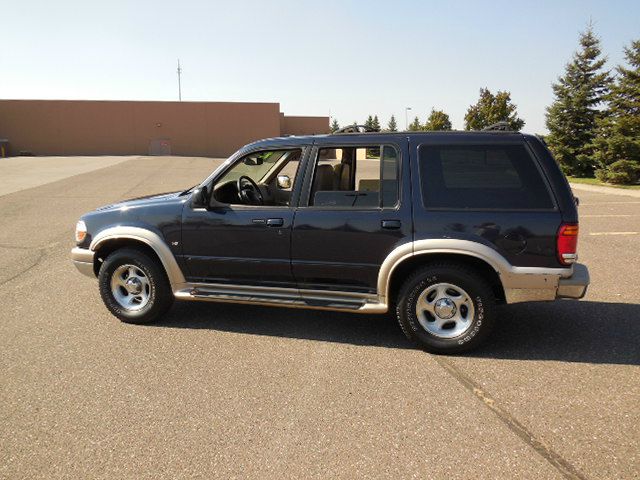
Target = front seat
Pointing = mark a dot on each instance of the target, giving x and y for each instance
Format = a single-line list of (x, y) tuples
[(324, 180), (342, 173)]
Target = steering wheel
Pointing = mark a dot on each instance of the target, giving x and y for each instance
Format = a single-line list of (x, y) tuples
[(249, 192)]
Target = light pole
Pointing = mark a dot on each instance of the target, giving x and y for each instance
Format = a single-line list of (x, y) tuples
[(179, 85), (406, 118)]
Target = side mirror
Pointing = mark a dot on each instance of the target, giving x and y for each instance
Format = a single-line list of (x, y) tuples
[(284, 182), (199, 198)]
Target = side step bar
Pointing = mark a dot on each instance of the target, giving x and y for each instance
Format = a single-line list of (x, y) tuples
[(281, 297)]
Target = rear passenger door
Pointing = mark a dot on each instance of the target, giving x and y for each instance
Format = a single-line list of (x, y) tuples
[(354, 210), (487, 188)]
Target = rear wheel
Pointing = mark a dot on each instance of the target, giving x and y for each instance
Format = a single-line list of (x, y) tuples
[(446, 308), (134, 287)]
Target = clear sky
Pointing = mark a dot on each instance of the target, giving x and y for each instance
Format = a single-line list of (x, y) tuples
[(347, 58)]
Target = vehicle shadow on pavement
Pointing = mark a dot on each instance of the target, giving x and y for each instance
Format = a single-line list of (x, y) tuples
[(566, 331), (319, 325)]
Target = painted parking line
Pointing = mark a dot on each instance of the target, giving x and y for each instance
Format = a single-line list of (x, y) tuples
[(613, 233)]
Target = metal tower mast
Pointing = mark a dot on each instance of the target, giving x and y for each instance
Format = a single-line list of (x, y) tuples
[(179, 85)]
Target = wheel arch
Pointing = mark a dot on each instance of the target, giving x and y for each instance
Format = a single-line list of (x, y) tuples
[(406, 267), (407, 258), (115, 238)]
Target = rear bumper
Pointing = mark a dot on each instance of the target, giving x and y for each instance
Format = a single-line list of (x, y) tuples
[(83, 260), (576, 285), (546, 285)]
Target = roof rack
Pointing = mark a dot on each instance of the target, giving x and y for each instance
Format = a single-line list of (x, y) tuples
[(356, 129), (498, 127)]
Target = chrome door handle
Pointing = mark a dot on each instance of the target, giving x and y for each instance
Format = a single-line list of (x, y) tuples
[(275, 222), (391, 224)]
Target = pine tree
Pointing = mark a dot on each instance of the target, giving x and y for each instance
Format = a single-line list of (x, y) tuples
[(571, 118), (376, 123), (415, 126), (617, 145), (369, 122), (392, 126), (492, 109), (335, 126), (438, 120)]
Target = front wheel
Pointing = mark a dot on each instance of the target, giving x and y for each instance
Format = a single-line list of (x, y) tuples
[(134, 287), (446, 308)]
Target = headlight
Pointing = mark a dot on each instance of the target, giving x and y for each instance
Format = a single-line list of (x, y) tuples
[(81, 231)]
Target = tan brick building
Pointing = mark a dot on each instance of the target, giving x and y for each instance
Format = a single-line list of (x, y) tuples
[(86, 127)]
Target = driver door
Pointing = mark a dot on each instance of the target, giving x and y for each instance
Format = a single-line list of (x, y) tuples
[(240, 243)]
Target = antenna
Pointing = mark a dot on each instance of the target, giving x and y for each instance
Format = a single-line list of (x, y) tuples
[(179, 85)]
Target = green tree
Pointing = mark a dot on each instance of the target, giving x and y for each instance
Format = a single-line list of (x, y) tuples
[(369, 122), (617, 144), (392, 126), (438, 120), (415, 126), (376, 123), (335, 126), (492, 109), (573, 115)]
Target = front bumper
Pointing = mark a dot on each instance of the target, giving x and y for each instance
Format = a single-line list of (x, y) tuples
[(83, 260), (576, 285)]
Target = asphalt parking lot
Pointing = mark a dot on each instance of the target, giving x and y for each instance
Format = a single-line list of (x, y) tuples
[(226, 391)]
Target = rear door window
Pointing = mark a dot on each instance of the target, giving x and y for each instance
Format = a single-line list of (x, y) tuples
[(503, 177), (355, 177)]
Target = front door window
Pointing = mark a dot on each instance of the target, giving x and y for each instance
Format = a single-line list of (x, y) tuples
[(258, 179)]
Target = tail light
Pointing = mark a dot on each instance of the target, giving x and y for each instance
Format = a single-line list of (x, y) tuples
[(567, 243)]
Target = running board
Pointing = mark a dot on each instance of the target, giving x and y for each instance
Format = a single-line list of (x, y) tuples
[(281, 297)]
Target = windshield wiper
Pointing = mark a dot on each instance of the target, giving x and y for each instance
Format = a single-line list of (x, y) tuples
[(189, 189)]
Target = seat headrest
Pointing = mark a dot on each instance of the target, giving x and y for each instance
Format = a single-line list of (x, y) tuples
[(343, 176), (324, 178)]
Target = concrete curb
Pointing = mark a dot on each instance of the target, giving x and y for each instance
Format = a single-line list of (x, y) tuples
[(605, 190)]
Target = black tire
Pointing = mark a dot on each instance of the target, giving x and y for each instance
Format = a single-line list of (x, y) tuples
[(475, 287), (158, 294)]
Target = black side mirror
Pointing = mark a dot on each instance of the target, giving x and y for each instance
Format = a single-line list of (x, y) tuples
[(199, 198)]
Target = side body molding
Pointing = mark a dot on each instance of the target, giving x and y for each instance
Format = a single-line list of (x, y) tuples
[(519, 283), (147, 237)]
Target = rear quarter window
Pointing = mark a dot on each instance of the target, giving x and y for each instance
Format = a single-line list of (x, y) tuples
[(503, 177)]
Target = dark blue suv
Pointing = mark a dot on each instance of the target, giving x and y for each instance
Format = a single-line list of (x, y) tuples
[(436, 227)]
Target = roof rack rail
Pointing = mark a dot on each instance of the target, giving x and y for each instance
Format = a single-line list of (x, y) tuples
[(498, 127), (356, 129)]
